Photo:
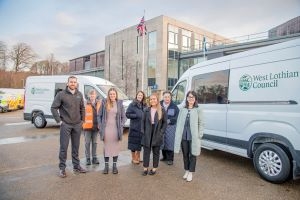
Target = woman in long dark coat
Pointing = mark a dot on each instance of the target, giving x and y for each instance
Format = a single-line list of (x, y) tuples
[(135, 114), (169, 136), (154, 125)]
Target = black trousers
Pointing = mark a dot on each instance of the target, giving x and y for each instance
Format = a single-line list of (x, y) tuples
[(189, 160), (146, 156), (68, 131), (168, 155)]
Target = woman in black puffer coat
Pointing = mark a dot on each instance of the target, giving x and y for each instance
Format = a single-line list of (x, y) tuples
[(135, 114)]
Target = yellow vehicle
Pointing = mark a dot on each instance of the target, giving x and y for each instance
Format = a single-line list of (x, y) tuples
[(11, 99), (13, 102), (3, 102), (20, 100)]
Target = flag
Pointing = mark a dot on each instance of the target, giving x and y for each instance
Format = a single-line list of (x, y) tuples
[(141, 28), (204, 45)]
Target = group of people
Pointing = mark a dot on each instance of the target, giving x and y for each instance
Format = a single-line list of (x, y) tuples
[(158, 126)]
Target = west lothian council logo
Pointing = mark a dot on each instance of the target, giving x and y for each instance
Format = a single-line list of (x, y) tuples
[(245, 82), (32, 90)]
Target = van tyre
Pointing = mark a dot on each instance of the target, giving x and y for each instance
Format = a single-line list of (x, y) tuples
[(39, 121), (272, 163)]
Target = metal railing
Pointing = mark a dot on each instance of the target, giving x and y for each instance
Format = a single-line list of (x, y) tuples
[(229, 41)]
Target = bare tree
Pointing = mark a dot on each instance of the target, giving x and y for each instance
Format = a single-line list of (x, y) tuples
[(3, 55), (22, 56), (48, 67), (40, 67), (63, 68), (52, 64)]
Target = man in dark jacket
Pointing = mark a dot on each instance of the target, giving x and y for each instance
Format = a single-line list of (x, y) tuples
[(70, 105)]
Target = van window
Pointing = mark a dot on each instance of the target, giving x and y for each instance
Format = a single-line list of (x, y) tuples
[(105, 88), (59, 87), (211, 87), (88, 88), (178, 92)]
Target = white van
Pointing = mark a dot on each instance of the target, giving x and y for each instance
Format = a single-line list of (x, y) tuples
[(41, 90), (251, 106)]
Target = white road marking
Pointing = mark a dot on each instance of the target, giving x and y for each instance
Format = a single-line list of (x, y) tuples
[(17, 123)]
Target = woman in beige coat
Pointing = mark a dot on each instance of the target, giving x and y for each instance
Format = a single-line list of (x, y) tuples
[(189, 131)]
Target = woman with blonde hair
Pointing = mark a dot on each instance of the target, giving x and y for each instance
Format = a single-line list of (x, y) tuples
[(154, 124), (111, 119)]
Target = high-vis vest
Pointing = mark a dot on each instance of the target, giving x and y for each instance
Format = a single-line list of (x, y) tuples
[(89, 116)]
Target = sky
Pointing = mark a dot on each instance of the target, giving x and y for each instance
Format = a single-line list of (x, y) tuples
[(74, 28)]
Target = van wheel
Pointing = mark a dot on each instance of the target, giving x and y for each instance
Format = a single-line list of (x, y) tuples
[(39, 120), (272, 163)]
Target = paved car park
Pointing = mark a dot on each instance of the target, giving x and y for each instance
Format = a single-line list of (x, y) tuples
[(29, 169)]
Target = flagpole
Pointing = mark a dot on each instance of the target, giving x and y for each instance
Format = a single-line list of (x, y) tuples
[(143, 62), (204, 53), (143, 54), (204, 47)]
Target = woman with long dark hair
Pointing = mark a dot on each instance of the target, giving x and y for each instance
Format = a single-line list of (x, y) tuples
[(135, 113), (189, 131)]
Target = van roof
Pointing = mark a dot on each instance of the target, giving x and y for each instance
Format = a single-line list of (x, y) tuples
[(282, 45), (64, 78)]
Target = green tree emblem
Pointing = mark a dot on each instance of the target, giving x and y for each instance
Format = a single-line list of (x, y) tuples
[(245, 82), (32, 90)]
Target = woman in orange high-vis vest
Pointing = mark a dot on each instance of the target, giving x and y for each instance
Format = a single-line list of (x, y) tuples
[(90, 127)]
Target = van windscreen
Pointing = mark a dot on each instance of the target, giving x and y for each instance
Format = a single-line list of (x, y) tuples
[(105, 88)]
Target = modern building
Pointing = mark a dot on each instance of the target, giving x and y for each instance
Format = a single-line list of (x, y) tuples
[(127, 54), (290, 27), (92, 64)]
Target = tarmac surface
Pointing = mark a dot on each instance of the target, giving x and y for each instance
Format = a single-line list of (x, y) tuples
[(29, 170)]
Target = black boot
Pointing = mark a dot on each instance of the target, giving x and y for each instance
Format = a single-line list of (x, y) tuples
[(105, 170), (88, 161), (115, 169), (95, 161)]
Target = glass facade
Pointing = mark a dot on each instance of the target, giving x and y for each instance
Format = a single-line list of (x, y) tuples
[(173, 56), (180, 41), (186, 40), (152, 62)]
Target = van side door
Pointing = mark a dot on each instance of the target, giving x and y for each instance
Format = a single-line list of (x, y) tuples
[(212, 91)]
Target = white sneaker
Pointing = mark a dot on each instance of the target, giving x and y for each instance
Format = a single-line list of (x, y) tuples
[(185, 175), (189, 177)]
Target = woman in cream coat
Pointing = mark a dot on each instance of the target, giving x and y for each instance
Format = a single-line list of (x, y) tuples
[(189, 131)]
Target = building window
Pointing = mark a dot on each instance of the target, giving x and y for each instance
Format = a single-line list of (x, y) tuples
[(186, 40), (172, 72), (172, 37), (151, 81), (152, 41), (197, 45), (152, 56), (87, 62), (171, 82), (173, 56)]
